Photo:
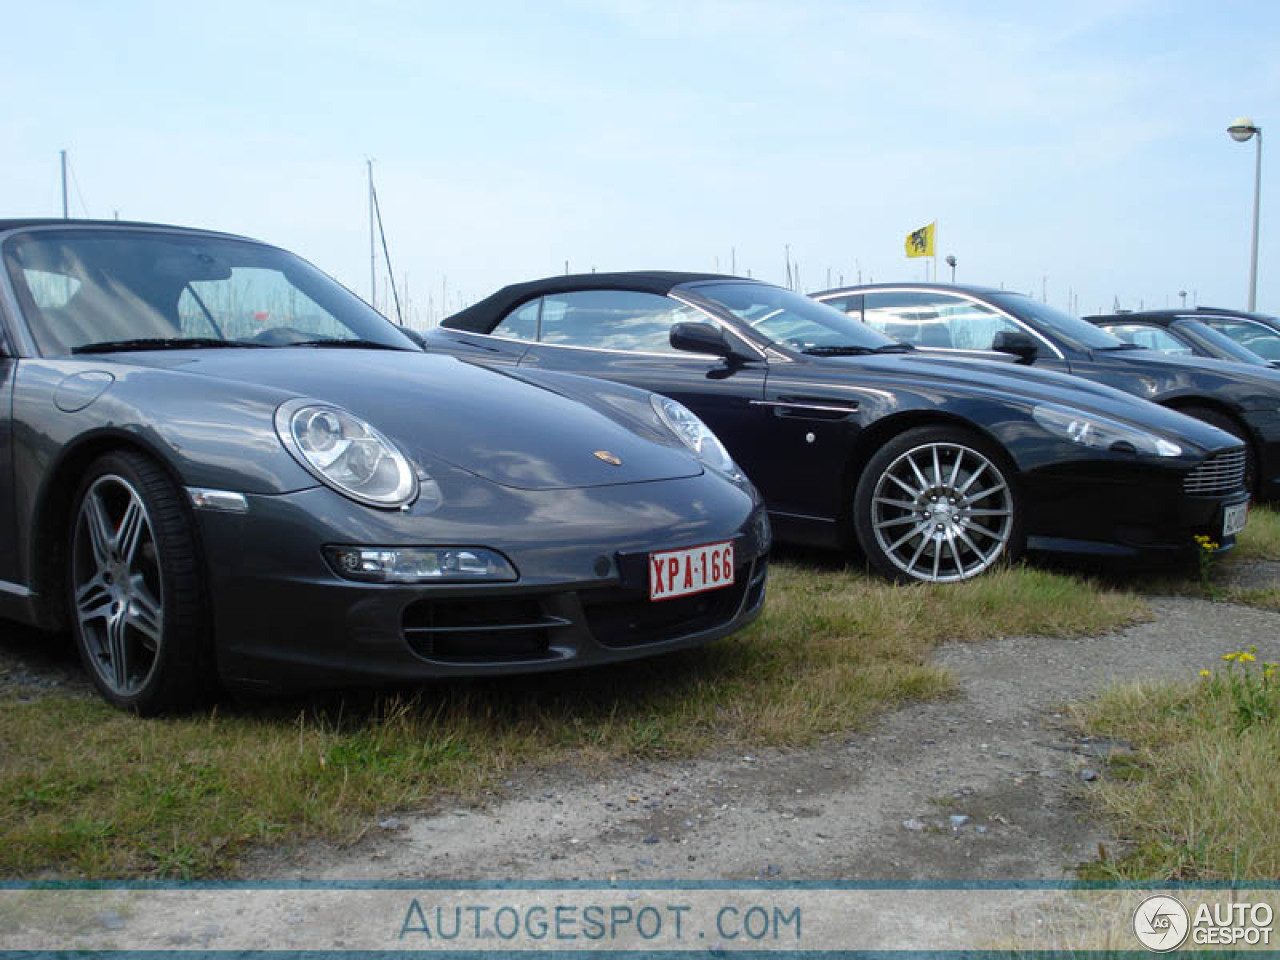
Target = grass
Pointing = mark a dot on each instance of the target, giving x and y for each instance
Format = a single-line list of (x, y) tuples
[(1260, 539), (1199, 798), (88, 791)]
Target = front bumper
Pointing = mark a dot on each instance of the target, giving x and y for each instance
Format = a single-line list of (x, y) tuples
[(1134, 514), (284, 618)]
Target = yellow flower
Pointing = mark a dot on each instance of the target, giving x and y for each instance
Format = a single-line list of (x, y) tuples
[(1204, 673), (1246, 657), (1229, 657), (1269, 672)]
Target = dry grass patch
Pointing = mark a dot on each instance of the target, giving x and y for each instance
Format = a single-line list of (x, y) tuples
[(85, 790), (1199, 800)]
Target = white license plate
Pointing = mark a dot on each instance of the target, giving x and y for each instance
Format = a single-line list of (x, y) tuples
[(1234, 518), (678, 573)]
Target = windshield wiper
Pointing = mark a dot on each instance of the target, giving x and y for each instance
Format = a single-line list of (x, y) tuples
[(353, 344), (158, 343), (1124, 346), (852, 350)]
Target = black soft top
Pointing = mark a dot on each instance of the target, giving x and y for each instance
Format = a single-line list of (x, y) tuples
[(483, 316)]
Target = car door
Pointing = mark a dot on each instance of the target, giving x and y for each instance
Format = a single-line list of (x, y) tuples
[(503, 346), (624, 335), (947, 323)]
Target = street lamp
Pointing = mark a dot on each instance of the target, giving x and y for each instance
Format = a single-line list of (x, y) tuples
[(951, 262), (1242, 130)]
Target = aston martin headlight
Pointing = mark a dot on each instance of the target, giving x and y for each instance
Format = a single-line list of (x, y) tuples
[(1102, 433), (421, 564), (346, 453), (694, 434)]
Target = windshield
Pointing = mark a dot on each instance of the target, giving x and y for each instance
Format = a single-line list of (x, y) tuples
[(1079, 333), (131, 289), (1220, 342), (791, 319)]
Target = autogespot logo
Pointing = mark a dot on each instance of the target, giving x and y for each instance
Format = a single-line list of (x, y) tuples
[(1161, 923)]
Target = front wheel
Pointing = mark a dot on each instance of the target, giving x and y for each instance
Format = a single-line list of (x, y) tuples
[(937, 505), (136, 596)]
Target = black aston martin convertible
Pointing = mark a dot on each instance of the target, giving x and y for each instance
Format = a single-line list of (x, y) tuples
[(936, 467)]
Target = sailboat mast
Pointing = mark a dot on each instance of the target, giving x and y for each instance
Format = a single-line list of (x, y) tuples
[(65, 211), (373, 255)]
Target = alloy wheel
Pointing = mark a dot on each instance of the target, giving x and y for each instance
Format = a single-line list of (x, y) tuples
[(942, 512), (117, 588)]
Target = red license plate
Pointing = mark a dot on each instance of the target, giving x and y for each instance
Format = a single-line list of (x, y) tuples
[(679, 573)]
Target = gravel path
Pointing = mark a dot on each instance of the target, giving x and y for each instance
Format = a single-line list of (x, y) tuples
[(983, 786)]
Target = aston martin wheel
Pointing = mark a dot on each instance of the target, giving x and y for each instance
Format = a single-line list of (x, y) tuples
[(937, 505), (135, 593)]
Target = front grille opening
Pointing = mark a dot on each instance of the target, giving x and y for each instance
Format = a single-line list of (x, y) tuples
[(479, 631), (619, 617), (1221, 473)]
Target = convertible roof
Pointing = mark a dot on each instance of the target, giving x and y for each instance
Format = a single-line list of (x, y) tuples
[(23, 224), (481, 317)]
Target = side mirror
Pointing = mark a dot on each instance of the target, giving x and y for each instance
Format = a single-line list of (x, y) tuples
[(1016, 342), (415, 336), (702, 338)]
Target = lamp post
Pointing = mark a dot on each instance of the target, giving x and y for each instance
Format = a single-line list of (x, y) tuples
[(951, 262), (1242, 130)]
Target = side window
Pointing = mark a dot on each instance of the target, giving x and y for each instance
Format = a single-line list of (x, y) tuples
[(850, 303), (934, 320), (1152, 338), (613, 320), (249, 302), (520, 324)]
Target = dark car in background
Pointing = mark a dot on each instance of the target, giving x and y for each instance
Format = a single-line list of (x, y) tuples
[(1257, 332), (1177, 334), (219, 462), (962, 320), (936, 468)]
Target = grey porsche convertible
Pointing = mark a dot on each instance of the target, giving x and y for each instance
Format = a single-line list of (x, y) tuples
[(221, 465)]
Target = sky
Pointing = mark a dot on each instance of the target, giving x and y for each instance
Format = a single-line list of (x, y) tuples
[(1072, 150)]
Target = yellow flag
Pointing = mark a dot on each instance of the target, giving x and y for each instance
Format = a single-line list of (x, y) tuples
[(920, 242)]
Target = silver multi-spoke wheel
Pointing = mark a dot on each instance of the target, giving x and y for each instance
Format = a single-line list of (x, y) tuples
[(942, 511), (117, 586)]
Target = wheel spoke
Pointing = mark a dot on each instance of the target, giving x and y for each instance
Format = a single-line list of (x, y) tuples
[(972, 546), (913, 491), (145, 615), (972, 477), (93, 600), (911, 462), (919, 529), (99, 528), (911, 565), (986, 493), (990, 513), (896, 521), (937, 469), (132, 525), (955, 552), (985, 532), (955, 468), (900, 504), (116, 643), (937, 560)]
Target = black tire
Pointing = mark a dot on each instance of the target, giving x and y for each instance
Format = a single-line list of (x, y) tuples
[(135, 588), (926, 525), (1216, 418)]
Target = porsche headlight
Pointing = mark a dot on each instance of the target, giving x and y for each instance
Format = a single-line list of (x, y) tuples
[(346, 453), (694, 434), (1101, 433)]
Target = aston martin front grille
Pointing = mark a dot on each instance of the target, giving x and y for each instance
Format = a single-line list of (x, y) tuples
[(1221, 473)]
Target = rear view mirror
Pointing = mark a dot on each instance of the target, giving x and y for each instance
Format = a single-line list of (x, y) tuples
[(702, 338), (1016, 342)]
